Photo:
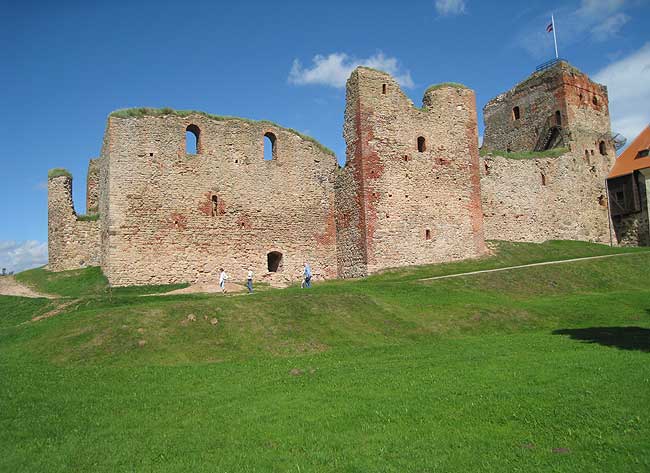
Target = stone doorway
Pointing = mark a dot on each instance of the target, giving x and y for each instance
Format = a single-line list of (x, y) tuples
[(274, 261)]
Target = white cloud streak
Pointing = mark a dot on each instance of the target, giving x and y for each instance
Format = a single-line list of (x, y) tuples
[(334, 69), (629, 91), (18, 256), (595, 20), (450, 7)]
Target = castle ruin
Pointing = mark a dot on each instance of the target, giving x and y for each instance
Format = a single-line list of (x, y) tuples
[(414, 189)]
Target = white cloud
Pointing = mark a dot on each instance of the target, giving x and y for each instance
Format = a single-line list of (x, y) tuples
[(595, 20), (609, 27), (598, 8), (450, 7), (629, 91), (18, 256), (334, 69)]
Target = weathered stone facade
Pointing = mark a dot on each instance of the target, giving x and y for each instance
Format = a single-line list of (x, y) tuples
[(413, 191), (410, 192), (169, 216), (541, 198), (72, 243)]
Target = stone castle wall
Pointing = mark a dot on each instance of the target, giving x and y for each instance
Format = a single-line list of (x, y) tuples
[(72, 243), (178, 217), (413, 191), (407, 204), (92, 187), (544, 199)]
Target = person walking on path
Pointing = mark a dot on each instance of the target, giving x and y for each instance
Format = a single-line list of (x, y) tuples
[(222, 280), (249, 281), (307, 276)]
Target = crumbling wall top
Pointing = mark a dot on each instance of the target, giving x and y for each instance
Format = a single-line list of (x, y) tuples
[(141, 112)]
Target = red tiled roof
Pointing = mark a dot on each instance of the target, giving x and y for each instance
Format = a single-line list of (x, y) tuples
[(628, 162)]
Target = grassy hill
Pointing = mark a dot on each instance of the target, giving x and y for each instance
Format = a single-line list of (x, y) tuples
[(540, 368)]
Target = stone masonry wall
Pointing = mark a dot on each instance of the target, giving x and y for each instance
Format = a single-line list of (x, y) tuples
[(544, 199), (92, 187), (410, 206), (72, 244), (178, 217)]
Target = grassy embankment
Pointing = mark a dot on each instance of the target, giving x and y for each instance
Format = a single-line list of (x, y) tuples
[(543, 368)]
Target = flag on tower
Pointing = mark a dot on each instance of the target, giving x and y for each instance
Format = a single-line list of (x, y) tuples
[(549, 28)]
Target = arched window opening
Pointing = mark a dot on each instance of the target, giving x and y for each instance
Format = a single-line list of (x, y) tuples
[(215, 205), (270, 151), (192, 139), (594, 100), (516, 113), (422, 147), (602, 148), (274, 261), (427, 234), (383, 89), (558, 118)]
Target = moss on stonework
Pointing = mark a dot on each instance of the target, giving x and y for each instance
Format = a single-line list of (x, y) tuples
[(549, 153), (445, 84), (57, 172), (159, 112), (88, 218)]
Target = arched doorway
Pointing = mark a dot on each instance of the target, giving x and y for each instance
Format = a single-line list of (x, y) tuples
[(274, 261)]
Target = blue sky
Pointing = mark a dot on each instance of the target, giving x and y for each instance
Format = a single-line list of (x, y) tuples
[(66, 65)]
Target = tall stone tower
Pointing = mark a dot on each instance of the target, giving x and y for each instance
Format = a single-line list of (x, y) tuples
[(410, 192), (546, 196), (556, 107)]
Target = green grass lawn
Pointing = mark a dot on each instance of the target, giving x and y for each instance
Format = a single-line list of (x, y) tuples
[(538, 369)]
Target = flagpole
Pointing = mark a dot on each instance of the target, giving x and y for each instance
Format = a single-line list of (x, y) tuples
[(554, 37)]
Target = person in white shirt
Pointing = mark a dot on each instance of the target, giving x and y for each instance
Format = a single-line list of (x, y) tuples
[(222, 280), (249, 280)]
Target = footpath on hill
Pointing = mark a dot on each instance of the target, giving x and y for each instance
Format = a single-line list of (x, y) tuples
[(529, 265), (10, 287)]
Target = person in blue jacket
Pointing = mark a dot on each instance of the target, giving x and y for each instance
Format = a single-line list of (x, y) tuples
[(307, 276)]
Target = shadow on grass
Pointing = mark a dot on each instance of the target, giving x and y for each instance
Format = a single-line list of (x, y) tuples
[(624, 338)]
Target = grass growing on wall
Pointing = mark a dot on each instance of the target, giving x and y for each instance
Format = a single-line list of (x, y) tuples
[(56, 172), (445, 84), (550, 153), (88, 217), (159, 112), (537, 369)]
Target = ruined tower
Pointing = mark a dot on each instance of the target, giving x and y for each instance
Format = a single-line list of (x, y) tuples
[(555, 107), (410, 191), (72, 240), (556, 191)]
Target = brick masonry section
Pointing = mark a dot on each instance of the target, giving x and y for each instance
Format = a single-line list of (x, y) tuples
[(410, 192)]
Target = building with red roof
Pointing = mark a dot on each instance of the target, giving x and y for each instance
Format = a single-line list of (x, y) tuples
[(628, 185)]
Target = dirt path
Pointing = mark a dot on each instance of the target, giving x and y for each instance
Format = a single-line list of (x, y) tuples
[(205, 288), (509, 268), (10, 287)]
